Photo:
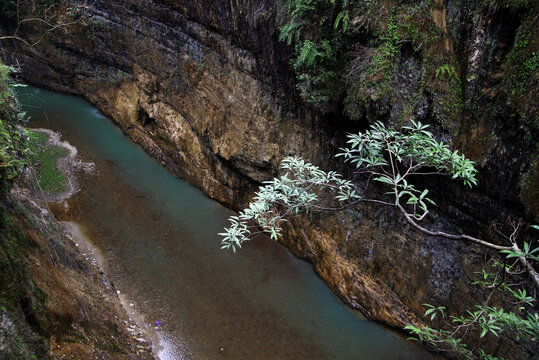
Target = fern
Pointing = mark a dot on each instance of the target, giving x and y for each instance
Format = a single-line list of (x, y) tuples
[(308, 53), (342, 18), (447, 71), (289, 31), (317, 27)]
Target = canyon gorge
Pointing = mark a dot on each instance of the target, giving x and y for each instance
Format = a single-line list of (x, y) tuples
[(208, 90)]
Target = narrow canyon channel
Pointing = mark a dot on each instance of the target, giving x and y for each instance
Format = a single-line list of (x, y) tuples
[(158, 239)]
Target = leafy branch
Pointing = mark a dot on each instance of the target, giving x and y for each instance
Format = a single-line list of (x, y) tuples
[(463, 334), (392, 158), (296, 191), (387, 156)]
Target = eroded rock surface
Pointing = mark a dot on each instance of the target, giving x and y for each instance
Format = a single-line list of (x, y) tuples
[(55, 302)]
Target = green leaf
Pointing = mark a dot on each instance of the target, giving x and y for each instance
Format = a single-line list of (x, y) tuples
[(341, 16), (384, 179)]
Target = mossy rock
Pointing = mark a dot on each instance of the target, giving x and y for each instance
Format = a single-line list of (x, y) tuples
[(44, 159)]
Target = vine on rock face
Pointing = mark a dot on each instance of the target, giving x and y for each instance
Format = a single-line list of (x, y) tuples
[(392, 158)]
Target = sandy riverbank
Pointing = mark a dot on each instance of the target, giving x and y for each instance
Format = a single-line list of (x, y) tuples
[(70, 166), (136, 324)]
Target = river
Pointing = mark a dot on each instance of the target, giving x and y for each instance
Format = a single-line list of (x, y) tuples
[(158, 239)]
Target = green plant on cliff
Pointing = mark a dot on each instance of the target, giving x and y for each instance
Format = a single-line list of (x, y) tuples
[(12, 139), (393, 159), (387, 156), (369, 74), (508, 309), (16, 288), (353, 53), (316, 28)]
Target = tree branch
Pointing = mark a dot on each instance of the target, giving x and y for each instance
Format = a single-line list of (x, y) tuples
[(50, 27), (531, 271)]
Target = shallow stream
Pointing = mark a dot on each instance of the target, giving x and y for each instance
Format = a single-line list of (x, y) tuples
[(158, 238)]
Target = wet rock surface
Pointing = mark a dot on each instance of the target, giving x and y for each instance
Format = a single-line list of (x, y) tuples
[(56, 303)]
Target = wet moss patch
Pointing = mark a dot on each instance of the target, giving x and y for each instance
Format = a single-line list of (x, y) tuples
[(44, 159)]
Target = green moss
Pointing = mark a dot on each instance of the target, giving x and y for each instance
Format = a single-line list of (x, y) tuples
[(44, 159), (407, 30), (520, 79), (363, 63), (369, 83), (12, 142), (529, 189), (18, 293), (332, 61)]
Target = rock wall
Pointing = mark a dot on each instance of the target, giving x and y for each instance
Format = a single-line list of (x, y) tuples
[(205, 87), (54, 301), (199, 85)]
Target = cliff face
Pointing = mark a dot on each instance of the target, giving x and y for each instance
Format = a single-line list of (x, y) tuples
[(199, 85), (54, 303), (205, 87)]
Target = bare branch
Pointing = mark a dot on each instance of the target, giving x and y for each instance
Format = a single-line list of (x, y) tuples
[(49, 27)]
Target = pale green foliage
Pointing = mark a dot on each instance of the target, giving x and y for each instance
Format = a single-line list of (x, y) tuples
[(297, 190), (388, 155), (526, 252), (414, 147), (518, 320), (392, 156), (482, 321)]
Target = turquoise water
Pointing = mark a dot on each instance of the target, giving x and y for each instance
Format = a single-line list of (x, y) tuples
[(158, 236)]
